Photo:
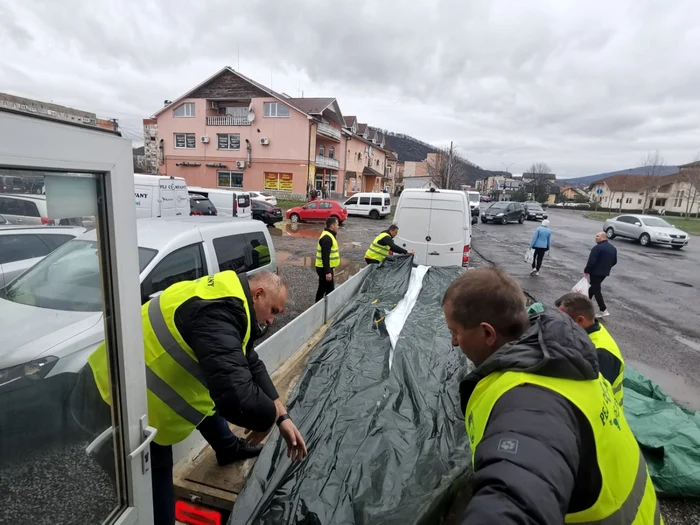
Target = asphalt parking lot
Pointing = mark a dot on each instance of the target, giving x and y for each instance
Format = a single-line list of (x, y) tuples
[(652, 295)]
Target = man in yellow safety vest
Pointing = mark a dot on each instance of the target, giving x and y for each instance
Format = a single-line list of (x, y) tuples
[(201, 371), (612, 366), (327, 258), (549, 443), (383, 244)]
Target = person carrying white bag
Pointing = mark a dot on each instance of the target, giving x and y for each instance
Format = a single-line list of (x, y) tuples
[(541, 241)]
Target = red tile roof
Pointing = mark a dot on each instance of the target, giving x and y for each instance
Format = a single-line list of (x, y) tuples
[(633, 182)]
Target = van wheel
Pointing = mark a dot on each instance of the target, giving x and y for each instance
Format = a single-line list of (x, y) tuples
[(294, 217), (504, 220), (374, 214)]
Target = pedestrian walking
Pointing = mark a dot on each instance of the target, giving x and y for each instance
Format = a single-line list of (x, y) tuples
[(541, 241), (202, 371), (546, 436), (383, 244), (610, 361), (601, 260), (327, 258)]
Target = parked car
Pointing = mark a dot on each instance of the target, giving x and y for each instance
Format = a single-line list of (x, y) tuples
[(318, 210), (534, 211), (200, 205), (232, 203), (436, 224), (372, 205), (21, 247), (646, 229), (53, 313), (269, 214), (24, 209), (504, 212), (264, 197), (11, 184)]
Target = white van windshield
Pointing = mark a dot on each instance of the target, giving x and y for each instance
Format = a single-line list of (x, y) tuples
[(67, 279), (474, 197)]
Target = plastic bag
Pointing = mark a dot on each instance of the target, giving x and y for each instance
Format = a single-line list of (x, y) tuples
[(529, 255), (581, 287)]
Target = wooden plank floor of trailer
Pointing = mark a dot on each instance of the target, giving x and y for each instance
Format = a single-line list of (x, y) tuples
[(200, 479)]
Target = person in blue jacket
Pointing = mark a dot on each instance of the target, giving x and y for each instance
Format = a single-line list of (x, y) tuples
[(541, 241)]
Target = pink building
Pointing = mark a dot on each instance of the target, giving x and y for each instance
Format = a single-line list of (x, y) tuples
[(232, 132)]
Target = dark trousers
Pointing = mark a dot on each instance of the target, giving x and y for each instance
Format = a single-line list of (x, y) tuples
[(324, 287), (371, 261), (595, 291), (537, 258), (93, 416)]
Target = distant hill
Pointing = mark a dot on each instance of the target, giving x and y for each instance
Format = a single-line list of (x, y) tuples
[(639, 170), (414, 150)]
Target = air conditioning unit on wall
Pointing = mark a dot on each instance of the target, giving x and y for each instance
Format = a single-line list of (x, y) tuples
[(240, 164), (265, 141), (205, 140)]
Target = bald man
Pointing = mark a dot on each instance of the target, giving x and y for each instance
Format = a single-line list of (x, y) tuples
[(602, 258), (201, 372)]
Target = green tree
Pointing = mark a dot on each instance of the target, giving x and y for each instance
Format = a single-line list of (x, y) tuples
[(519, 195)]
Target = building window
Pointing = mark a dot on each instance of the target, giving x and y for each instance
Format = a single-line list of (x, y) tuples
[(628, 200), (229, 141), (230, 179), (639, 201), (677, 203), (275, 109), (617, 200), (185, 140), (331, 152), (660, 202), (184, 110), (321, 150)]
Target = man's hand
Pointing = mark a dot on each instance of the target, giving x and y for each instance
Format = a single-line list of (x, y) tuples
[(329, 277), (411, 252), (587, 276), (296, 448), (255, 438)]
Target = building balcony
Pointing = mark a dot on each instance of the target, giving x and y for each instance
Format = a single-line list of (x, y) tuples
[(227, 120), (328, 131), (327, 162)]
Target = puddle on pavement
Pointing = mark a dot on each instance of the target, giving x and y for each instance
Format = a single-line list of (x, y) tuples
[(346, 269), (308, 231), (673, 384), (275, 231)]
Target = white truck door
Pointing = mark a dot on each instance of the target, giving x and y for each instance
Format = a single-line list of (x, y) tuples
[(144, 201), (166, 198), (447, 230), (182, 198)]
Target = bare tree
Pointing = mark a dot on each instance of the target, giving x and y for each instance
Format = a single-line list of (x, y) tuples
[(692, 177), (540, 175), (448, 171), (652, 165)]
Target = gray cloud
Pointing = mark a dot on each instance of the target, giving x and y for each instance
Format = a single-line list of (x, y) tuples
[(585, 87)]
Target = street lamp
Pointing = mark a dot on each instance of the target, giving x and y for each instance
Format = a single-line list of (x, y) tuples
[(507, 166)]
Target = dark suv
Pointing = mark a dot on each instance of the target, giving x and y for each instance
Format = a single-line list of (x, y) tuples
[(504, 212)]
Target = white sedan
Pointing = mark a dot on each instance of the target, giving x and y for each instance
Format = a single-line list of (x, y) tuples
[(263, 197)]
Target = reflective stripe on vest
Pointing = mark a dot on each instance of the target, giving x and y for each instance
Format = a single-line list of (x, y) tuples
[(603, 340), (376, 251), (178, 399), (263, 255), (334, 257), (627, 494)]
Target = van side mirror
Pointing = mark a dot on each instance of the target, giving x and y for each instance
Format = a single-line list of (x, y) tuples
[(637, 223)]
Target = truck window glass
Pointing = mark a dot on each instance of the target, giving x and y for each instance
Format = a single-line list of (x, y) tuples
[(184, 264), (231, 253), (257, 250), (364, 200), (376, 201), (351, 201), (20, 247)]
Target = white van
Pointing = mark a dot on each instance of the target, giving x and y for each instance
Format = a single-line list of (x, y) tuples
[(474, 202), (160, 196), (436, 225), (372, 205), (231, 203)]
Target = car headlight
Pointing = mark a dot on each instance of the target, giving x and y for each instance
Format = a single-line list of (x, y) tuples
[(32, 371), (500, 215), (662, 234)]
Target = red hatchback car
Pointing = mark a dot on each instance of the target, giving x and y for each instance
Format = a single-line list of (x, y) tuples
[(318, 210)]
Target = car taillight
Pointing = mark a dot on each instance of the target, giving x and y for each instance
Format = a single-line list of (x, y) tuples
[(196, 213), (214, 212), (45, 221), (195, 515), (465, 257), (235, 207)]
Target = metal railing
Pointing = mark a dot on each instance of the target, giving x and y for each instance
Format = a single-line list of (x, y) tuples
[(227, 120), (327, 162), (328, 130)]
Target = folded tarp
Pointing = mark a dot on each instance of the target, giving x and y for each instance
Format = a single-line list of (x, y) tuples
[(386, 445)]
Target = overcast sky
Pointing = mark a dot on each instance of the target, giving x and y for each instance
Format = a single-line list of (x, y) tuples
[(585, 86)]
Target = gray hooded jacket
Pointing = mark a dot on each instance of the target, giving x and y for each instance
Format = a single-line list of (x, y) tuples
[(554, 470)]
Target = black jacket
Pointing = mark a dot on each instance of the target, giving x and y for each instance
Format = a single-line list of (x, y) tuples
[(607, 362), (389, 241), (601, 260), (554, 470), (326, 245), (239, 384)]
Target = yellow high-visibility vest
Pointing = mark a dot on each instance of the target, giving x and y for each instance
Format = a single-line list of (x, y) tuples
[(178, 399), (263, 255), (603, 340), (376, 251), (627, 494), (334, 257)]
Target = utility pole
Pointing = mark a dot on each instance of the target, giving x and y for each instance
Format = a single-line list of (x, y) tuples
[(449, 167), (507, 166)]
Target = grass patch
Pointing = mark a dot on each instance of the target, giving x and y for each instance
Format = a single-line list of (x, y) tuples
[(687, 225), (285, 205)]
